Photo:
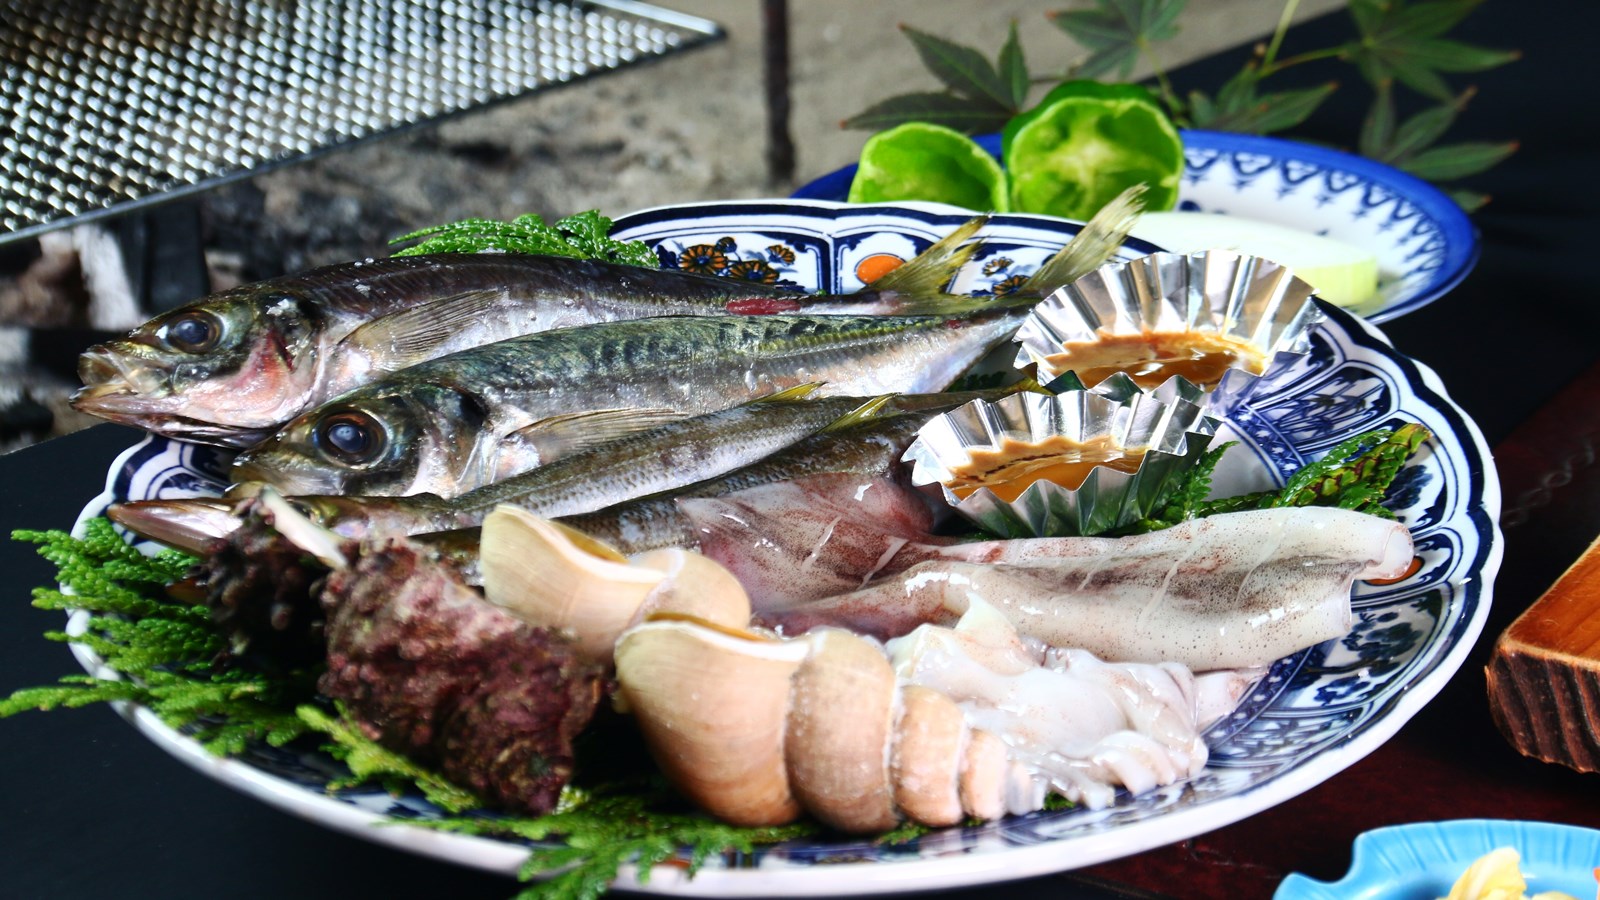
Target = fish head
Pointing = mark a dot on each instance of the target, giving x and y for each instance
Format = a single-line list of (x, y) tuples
[(225, 369), (383, 440)]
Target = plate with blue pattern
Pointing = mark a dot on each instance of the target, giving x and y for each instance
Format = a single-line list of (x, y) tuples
[(1424, 242), (1422, 860), (1316, 712)]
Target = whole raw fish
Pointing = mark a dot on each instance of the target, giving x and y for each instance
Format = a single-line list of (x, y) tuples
[(635, 465), (475, 417), (230, 368)]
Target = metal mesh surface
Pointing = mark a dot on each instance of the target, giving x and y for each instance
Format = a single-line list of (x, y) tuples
[(107, 104)]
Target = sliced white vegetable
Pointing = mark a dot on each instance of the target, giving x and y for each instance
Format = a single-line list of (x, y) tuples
[(1342, 273)]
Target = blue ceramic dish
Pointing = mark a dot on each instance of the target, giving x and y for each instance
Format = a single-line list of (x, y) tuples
[(1315, 713), (1424, 242), (1422, 861)]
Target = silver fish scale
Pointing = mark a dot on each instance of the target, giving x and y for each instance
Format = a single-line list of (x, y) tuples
[(110, 104)]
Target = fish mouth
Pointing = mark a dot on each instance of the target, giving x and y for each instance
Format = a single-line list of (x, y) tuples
[(116, 383)]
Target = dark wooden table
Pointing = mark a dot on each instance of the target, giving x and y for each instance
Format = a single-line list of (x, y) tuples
[(88, 808)]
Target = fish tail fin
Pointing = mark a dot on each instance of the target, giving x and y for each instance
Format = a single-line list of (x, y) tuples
[(1090, 248), (866, 412), (924, 276)]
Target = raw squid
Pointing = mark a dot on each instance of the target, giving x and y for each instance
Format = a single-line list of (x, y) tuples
[(1229, 591)]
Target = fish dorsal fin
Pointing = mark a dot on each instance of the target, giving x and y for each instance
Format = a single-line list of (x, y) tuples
[(926, 274), (866, 412), (790, 395), (1090, 248), (553, 437), (414, 335)]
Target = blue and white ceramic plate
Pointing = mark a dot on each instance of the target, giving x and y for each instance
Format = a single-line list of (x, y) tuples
[(1424, 242), (1421, 861), (1318, 711)]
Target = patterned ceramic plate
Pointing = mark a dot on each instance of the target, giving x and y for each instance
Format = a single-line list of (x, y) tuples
[(1318, 711), (1424, 859), (1425, 244)]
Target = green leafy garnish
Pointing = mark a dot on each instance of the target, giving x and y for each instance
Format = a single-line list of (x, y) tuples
[(165, 650), (585, 235), (1356, 475), (640, 822), (1400, 42)]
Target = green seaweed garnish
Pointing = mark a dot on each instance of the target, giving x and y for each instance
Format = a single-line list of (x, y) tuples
[(641, 822), (165, 650), (1356, 475), (585, 235)]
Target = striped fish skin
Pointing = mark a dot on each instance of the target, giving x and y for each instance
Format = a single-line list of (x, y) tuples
[(230, 368), (475, 417), (632, 466), (871, 450)]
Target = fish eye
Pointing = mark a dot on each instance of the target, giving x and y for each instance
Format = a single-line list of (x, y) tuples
[(193, 332), (351, 437)]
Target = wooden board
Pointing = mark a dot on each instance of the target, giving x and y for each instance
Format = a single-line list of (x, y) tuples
[(1544, 676)]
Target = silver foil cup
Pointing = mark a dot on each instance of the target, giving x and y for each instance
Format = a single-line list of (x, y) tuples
[(1170, 423), (1248, 299)]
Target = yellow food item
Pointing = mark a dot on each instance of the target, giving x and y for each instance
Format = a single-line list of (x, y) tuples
[(1342, 273), (1497, 875)]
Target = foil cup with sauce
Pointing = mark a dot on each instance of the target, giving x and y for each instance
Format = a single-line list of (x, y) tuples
[(1218, 318), (1077, 463)]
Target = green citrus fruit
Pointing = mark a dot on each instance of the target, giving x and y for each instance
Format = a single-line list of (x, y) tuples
[(919, 161), (1084, 144)]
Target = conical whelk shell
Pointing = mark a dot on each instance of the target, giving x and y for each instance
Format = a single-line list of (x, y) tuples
[(548, 574), (755, 729), (932, 739), (712, 707), (840, 718)]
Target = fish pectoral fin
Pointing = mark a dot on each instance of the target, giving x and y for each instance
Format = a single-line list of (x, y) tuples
[(866, 412), (790, 395), (414, 335), (569, 433)]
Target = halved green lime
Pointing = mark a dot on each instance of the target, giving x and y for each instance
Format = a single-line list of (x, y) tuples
[(1084, 144), (919, 161)]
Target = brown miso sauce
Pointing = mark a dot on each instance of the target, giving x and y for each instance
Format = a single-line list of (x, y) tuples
[(1151, 357), (1016, 465)]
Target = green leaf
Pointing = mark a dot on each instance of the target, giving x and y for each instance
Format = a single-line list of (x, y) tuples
[(1117, 31), (1265, 114), (1402, 42), (1454, 56), (1013, 68), (1458, 160), (1286, 109), (1368, 15), (1470, 201), (963, 69), (1420, 78), (1377, 129), (961, 113), (1430, 19), (1423, 129)]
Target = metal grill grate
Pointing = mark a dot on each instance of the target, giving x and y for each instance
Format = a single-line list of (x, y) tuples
[(107, 104)]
